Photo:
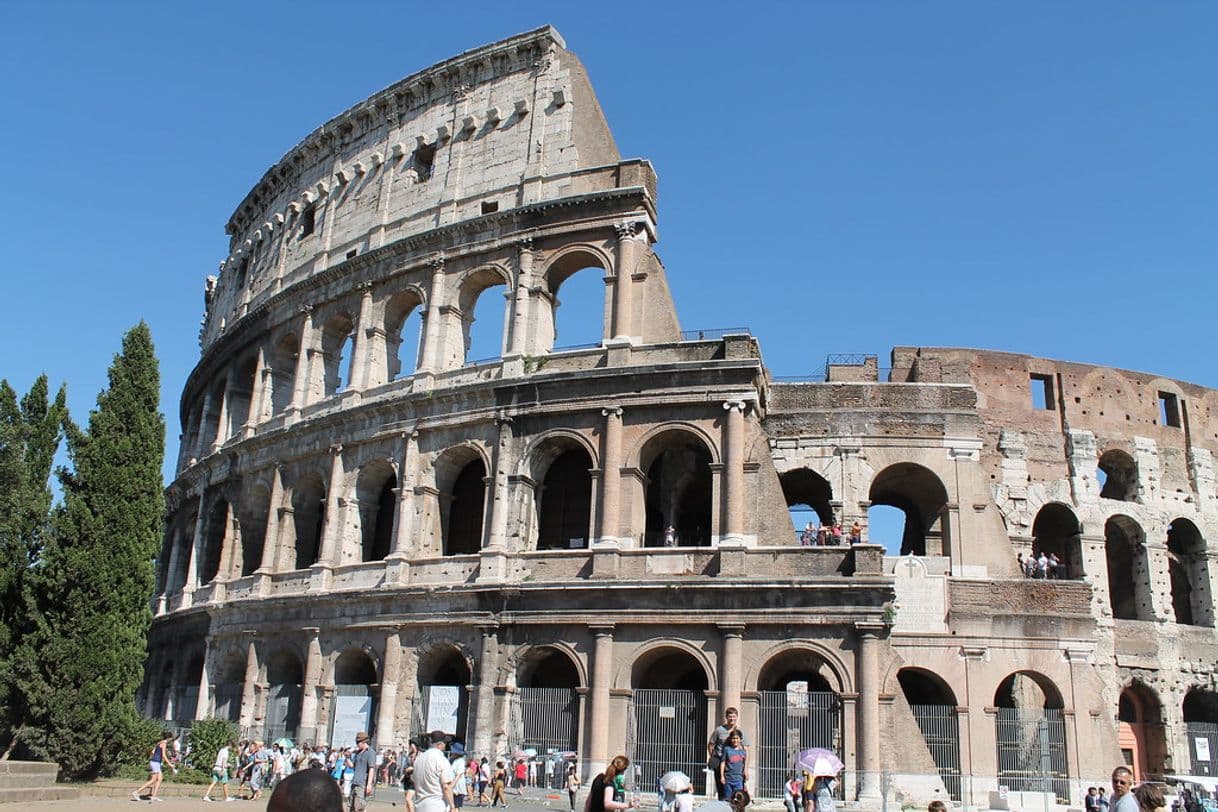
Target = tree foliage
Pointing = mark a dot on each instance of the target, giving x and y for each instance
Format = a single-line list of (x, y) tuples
[(30, 433), (80, 665)]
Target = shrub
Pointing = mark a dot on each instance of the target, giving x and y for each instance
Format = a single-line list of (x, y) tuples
[(206, 738)]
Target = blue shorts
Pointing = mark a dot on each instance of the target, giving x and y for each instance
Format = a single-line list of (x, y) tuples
[(730, 787), (154, 766)]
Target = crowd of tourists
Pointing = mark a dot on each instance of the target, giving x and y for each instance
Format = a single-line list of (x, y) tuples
[(830, 535), (1042, 566)]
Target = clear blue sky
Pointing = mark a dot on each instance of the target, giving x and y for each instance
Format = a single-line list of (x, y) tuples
[(839, 176)]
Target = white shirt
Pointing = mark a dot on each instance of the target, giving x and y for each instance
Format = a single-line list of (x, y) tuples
[(221, 759), (431, 772), (458, 768)]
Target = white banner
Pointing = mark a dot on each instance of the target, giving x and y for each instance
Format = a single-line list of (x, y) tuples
[(351, 715), (1203, 747), (442, 704)]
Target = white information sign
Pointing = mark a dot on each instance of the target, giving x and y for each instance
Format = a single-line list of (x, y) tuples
[(1203, 747), (351, 715), (442, 704)]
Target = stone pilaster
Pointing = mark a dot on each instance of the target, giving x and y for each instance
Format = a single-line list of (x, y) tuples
[(611, 478), (312, 678), (602, 681), (300, 382), (733, 478), (731, 665), (248, 693), (623, 304), (484, 710), (364, 330), (391, 673), (868, 665)]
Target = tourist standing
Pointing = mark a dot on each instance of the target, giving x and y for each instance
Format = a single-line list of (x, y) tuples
[(572, 785), (733, 767), (363, 781), (718, 739), (1122, 800), (856, 533), (433, 777), (601, 793), (460, 779)]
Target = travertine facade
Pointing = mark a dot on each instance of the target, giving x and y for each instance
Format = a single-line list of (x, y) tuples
[(591, 549)]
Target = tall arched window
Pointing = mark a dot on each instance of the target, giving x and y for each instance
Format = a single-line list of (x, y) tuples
[(678, 497), (308, 519), (565, 501), (1128, 570), (1188, 569), (918, 493), (376, 491)]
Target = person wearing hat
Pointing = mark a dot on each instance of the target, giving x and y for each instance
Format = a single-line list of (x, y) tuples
[(364, 763), (434, 778), (456, 752)]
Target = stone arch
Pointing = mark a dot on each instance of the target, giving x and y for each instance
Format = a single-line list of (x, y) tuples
[(212, 431), (1199, 710), (1118, 473), (1191, 593), (1055, 532), (354, 665), (187, 687), (460, 474), (354, 675), (1030, 732), (550, 665), (285, 685), (798, 664), (1129, 593), (444, 665), (471, 287), (228, 683), (560, 463), (1028, 689), (1141, 735), (282, 363), (214, 533), (239, 396), (399, 309), (571, 261), (921, 686), (803, 653), (807, 488), (376, 493), (255, 508), (676, 461), (308, 502), (337, 337), (920, 494), (674, 661)]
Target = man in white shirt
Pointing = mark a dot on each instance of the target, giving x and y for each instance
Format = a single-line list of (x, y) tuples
[(434, 777), (219, 773)]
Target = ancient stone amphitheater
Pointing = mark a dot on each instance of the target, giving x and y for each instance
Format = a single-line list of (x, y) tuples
[(590, 550)]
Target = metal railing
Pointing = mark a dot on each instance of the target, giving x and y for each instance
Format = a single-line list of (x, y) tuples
[(1032, 751), (667, 731), (849, 359), (545, 720), (940, 728), (714, 333), (790, 722)]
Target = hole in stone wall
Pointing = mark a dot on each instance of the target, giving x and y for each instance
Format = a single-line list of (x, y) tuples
[(1042, 391), (490, 206), (1169, 410), (308, 220)]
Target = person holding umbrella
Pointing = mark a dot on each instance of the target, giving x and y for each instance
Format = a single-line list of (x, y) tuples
[(819, 767)]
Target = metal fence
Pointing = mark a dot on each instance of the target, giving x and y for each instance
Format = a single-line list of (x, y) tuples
[(227, 698), (667, 731), (283, 712), (940, 728), (419, 715), (1202, 741), (544, 719), (791, 721), (1032, 751), (714, 333)]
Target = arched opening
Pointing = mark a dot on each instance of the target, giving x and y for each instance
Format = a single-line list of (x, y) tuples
[(186, 700), (239, 395), (213, 433), (445, 680), (1189, 573), (545, 708), (283, 372), (809, 496), (577, 314), (798, 707), (678, 496), (1140, 732), (1055, 532), (337, 337), (483, 308), (213, 544), (190, 514), (1031, 735), (669, 714), (376, 491), (1201, 729), (285, 679), (564, 501), (1128, 570), (254, 510), (229, 682), (465, 500), (355, 690), (1118, 476), (918, 493), (308, 519), (403, 334), (933, 704)]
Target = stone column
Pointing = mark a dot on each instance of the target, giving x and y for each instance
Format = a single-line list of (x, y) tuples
[(359, 344), (171, 572), (202, 441), (868, 678), (403, 520), (222, 428), (602, 681), (332, 530), (733, 479), (248, 697), (623, 304), (196, 546), (498, 503), (228, 546), (517, 343), (611, 478), (431, 320), (484, 709), (203, 703), (386, 714), (300, 383), (731, 665), (257, 389), (312, 677), (270, 544)]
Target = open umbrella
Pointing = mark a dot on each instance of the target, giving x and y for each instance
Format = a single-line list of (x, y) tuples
[(284, 742), (675, 781), (530, 752), (818, 761)]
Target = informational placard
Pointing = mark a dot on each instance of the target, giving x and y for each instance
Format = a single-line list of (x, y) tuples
[(668, 712), (351, 715), (1203, 747), (442, 704)]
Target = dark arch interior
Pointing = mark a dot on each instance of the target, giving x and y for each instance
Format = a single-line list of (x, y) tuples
[(805, 487), (1187, 571), (444, 667), (794, 666), (1120, 474), (566, 502), (679, 495), (284, 669), (1201, 706), (377, 524), (918, 493), (1138, 704), (1126, 587), (283, 373), (1026, 692), (670, 669), (217, 518), (465, 511), (309, 517), (253, 531), (1056, 531), (548, 669), (354, 668), (923, 688)]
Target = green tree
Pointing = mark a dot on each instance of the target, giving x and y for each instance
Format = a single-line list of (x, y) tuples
[(30, 432), (81, 664)]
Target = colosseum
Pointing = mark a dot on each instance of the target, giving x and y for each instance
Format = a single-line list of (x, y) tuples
[(590, 550)]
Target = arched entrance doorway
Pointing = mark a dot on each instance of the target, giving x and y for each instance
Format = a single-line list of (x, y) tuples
[(285, 678), (933, 704), (1031, 735), (921, 496), (668, 722), (1140, 733), (798, 708), (1201, 729), (355, 689), (545, 711), (1056, 531), (1128, 569), (442, 701), (678, 495), (226, 695)]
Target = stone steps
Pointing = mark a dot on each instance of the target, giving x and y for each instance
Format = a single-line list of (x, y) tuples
[(28, 781), (14, 795)]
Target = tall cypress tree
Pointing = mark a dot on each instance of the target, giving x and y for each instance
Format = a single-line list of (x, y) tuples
[(81, 664), (30, 432)]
